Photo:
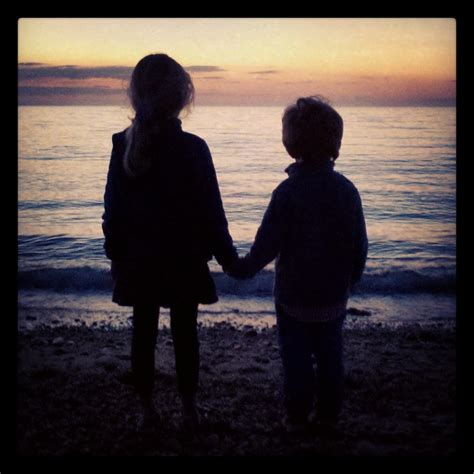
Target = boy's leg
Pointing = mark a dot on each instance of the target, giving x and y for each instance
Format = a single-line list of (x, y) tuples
[(328, 351), (144, 333), (295, 351)]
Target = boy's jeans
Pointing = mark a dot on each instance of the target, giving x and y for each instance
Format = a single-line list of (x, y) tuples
[(299, 341)]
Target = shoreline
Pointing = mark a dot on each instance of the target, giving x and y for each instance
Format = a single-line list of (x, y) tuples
[(92, 309), (400, 394)]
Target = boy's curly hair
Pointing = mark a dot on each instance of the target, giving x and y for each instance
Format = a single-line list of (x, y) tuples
[(312, 129)]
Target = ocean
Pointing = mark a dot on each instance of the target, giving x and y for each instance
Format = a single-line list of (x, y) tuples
[(402, 160)]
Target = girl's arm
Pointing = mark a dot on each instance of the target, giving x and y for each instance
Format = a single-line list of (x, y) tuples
[(213, 212), (109, 219)]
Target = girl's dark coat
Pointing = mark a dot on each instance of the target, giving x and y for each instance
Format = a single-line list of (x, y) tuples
[(163, 227)]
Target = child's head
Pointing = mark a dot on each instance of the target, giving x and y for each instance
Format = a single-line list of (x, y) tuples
[(159, 88), (312, 130)]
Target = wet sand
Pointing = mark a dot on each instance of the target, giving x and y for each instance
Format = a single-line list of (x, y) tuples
[(400, 394)]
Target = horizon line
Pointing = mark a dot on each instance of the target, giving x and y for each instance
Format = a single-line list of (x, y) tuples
[(448, 104)]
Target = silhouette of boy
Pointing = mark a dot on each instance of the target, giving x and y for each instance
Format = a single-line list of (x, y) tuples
[(314, 226)]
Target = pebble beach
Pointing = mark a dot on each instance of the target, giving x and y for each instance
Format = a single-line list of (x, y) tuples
[(400, 389)]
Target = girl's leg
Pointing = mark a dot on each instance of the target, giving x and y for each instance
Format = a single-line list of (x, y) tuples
[(186, 349), (144, 334)]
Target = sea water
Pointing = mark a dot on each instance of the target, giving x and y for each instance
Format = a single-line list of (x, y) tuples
[(402, 160)]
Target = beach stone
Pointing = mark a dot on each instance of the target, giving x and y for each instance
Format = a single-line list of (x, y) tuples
[(123, 356), (260, 427), (213, 439), (358, 312), (58, 341), (108, 363), (366, 448)]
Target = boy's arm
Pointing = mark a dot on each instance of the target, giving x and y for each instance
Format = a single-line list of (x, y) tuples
[(268, 240), (360, 241)]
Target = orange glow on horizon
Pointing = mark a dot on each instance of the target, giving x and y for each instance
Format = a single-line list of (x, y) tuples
[(258, 61)]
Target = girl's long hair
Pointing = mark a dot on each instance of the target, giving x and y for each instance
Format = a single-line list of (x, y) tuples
[(159, 89)]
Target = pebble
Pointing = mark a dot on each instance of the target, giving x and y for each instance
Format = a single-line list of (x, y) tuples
[(58, 341), (213, 439), (107, 363), (366, 448), (123, 356), (358, 312)]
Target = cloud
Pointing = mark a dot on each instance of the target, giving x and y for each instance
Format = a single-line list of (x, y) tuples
[(39, 71), (30, 64), (212, 77), (73, 72), (52, 91), (204, 69), (268, 71)]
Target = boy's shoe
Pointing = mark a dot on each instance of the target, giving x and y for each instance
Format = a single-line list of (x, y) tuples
[(148, 420), (327, 428), (294, 425), (324, 426)]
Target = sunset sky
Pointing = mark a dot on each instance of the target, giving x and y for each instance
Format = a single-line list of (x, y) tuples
[(248, 61)]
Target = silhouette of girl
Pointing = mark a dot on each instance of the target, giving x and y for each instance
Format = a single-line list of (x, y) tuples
[(163, 222)]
